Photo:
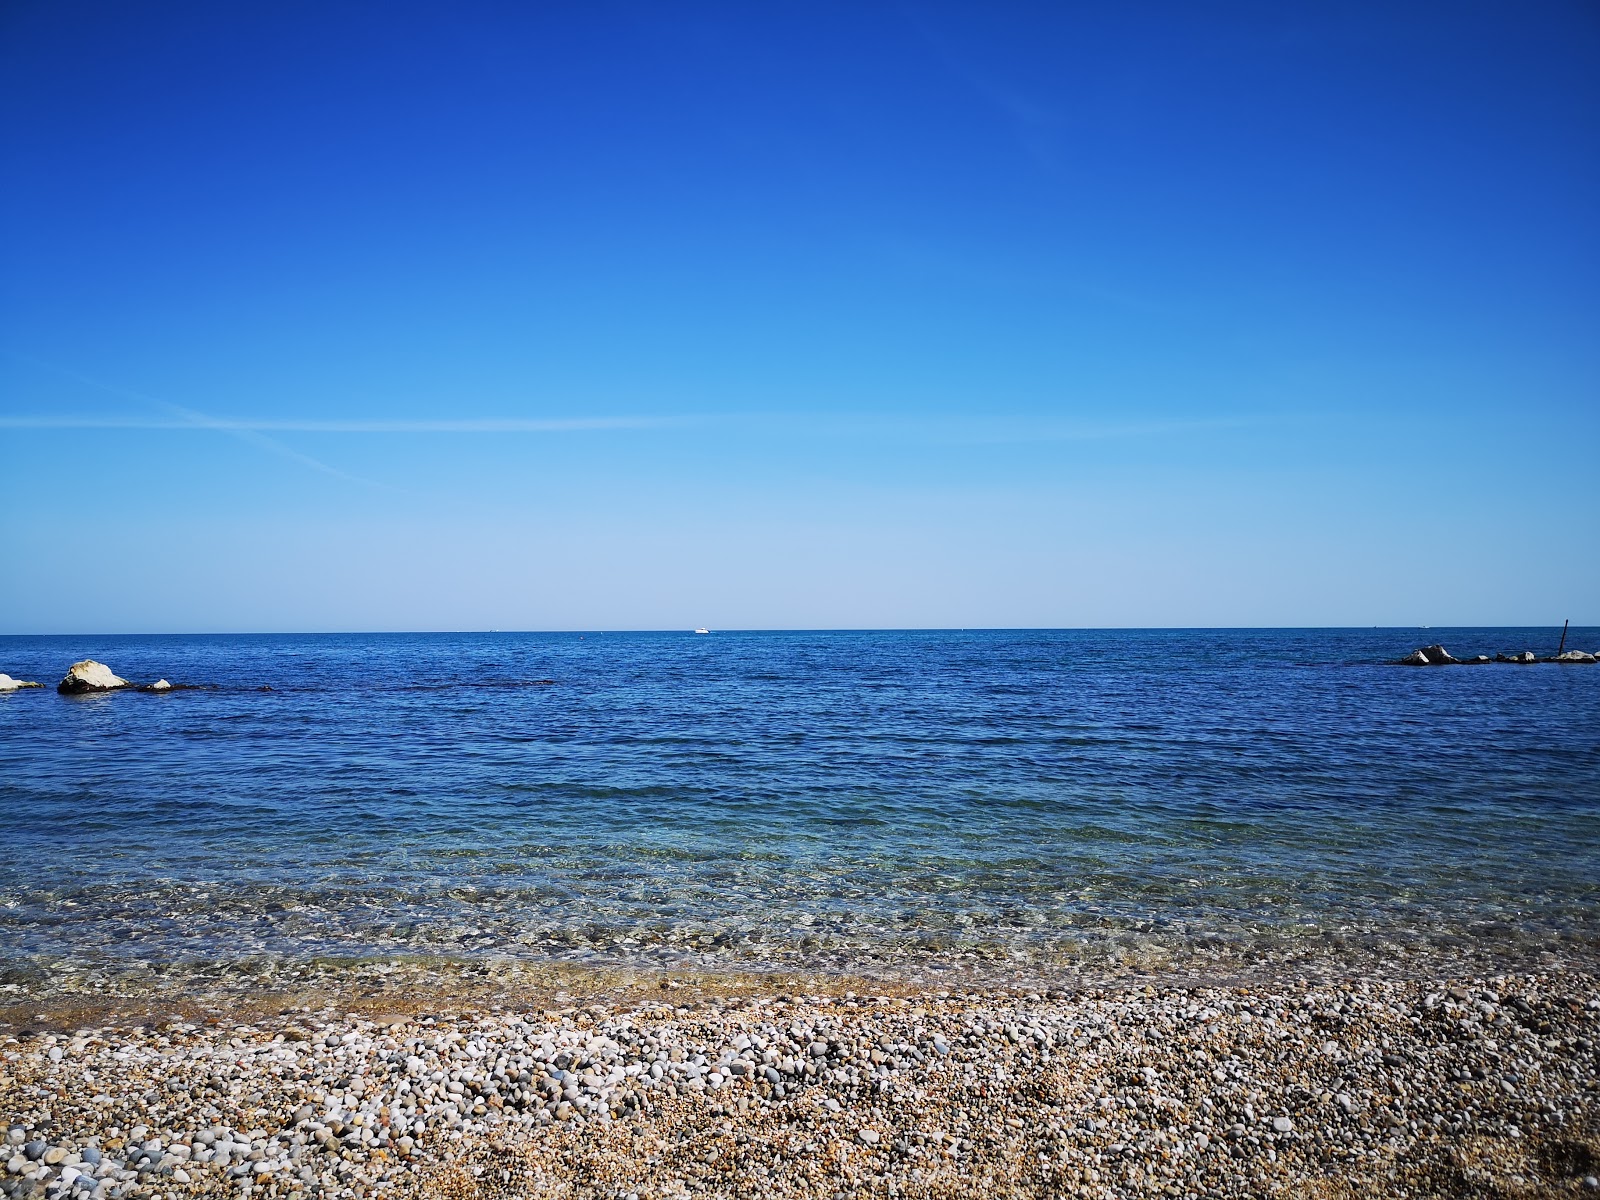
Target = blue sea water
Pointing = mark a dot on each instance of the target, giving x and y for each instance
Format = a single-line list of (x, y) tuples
[(832, 801)]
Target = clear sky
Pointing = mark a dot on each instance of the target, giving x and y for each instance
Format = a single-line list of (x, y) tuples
[(525, 316)]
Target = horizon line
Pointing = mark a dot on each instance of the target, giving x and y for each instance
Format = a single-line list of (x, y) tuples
[(585, 631)]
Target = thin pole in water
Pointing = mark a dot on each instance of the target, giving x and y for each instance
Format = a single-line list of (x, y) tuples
[(1563, 645)]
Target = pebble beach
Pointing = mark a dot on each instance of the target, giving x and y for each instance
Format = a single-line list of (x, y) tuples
[(1469, 1086)]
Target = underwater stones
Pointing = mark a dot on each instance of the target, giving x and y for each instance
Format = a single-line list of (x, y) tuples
[(89, 676), (8, 684)]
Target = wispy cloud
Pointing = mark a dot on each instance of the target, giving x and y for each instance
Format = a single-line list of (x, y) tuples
[(994, 428), (997, 428), (179, 417), (292, 425), (945, 428), (1060, 431), (258, 433)]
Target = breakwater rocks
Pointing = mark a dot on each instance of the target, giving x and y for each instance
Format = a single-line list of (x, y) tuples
[(1485, 1086), (1438, 656), (8, 684)]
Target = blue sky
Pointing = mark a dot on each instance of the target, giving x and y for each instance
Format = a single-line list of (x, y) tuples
[(341, 316)]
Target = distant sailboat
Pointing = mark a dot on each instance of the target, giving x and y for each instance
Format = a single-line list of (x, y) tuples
[(702, 631)]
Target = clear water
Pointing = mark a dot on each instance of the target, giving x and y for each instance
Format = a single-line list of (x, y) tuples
[(826, 801)]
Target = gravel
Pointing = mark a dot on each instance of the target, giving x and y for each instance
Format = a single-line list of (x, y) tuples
[(1486, 1086)]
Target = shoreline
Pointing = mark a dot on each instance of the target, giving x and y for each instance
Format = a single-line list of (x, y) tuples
[(57, 995), (1486, 1084)]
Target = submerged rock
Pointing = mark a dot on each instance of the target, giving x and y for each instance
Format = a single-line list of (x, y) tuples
[(8, 684), (89, 676), (1428, 656)]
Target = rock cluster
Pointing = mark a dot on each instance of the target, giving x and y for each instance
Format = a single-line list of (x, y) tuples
[(1438, 656), (1429, 656), (1486, 1086), (89, 676)]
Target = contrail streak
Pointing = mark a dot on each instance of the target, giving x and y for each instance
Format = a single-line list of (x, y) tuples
[(186, 418), (245, 425)]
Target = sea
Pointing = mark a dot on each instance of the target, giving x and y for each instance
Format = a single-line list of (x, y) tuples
[(932, 803)]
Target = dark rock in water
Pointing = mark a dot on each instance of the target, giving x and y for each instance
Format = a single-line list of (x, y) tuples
[(1524, 656), (89, 676), (1428, 656)]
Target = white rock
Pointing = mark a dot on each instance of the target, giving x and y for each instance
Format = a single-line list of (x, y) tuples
[(8, 684), (161, 685), (89, 676)]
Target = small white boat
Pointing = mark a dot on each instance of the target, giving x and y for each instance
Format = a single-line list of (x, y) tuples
[(702, 631)]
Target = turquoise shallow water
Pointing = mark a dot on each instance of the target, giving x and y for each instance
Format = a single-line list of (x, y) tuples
[(832, 801)]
